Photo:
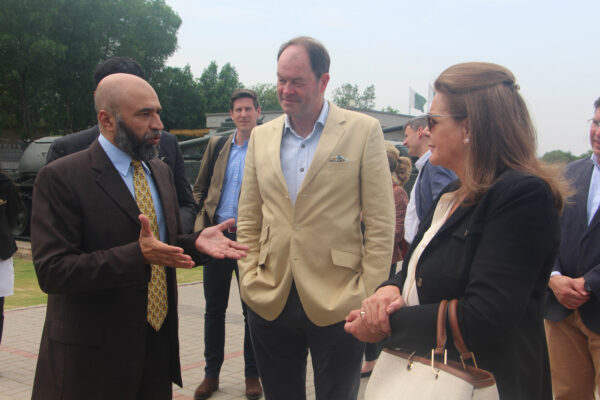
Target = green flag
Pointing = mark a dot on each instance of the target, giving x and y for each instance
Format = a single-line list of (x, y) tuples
[(417, 101)]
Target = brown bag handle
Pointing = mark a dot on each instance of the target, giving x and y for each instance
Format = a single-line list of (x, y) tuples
[(441, 328), (459, 342)]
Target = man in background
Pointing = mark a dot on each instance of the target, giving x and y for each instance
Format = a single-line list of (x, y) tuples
[(430, 181), (573, 303), (168, 150), (217, 191)]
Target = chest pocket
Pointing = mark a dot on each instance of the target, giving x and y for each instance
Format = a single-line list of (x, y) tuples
[(452, 251)]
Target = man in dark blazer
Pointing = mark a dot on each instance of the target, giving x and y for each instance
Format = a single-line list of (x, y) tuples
[(217, 191), (430, 181), (573, 304), (168, 150), (92, 252)]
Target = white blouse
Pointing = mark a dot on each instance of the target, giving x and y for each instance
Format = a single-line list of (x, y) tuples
[(440, 215)]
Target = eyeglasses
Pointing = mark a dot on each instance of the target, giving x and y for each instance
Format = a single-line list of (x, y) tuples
[(431, 122), (595, 122)]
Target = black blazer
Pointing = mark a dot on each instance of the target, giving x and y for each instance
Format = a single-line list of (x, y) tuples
[(168, 151), (579, 252), (84, 239), (9, 208), (495, 257)]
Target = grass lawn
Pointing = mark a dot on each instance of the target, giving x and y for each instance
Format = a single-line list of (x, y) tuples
[(28, 293)]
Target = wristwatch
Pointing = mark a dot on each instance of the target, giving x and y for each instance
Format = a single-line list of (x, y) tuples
[(587, 286)]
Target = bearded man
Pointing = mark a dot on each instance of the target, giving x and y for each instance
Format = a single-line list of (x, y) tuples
[(106, 241)]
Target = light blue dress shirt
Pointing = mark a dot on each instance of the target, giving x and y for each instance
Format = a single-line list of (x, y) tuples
[(594, 193), (122, 162), (230, 192), (297, 153)]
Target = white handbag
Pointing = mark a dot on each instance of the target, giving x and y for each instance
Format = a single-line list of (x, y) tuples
[(405, 376)]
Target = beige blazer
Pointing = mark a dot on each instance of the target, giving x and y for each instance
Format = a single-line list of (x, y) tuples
[(209, 203), (317, 243)]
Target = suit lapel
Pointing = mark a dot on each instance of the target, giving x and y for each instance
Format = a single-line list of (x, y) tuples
[(165, 191), (582, 185), (112, 183), (274, 150), (332, 132), (221, 163)]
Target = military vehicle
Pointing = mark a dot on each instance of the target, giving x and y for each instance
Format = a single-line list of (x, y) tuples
[(32, 160)]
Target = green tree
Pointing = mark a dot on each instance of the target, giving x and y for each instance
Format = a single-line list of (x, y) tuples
[(49, 49), (179, 94), (267, 96), (390, 109), (349, 96), (558, 156), (217, 86)]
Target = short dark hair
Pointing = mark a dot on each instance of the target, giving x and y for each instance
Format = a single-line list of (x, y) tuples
[(317, 53), (240, 94), (116, 65), (417, 122), (597, 104)]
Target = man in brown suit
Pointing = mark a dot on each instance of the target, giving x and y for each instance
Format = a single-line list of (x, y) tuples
[(92, 256)]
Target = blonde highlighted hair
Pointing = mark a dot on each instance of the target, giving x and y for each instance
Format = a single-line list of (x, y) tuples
[(400, 167)]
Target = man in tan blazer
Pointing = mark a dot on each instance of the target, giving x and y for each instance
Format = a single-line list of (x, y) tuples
[(310, 176)]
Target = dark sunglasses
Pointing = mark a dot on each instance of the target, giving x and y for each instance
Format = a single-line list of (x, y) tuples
[(431, 122)]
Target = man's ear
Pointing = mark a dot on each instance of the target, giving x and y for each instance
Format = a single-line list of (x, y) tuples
[(107, 123), (323, 81)]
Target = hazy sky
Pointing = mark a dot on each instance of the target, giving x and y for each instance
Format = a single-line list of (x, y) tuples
[(550, 46)]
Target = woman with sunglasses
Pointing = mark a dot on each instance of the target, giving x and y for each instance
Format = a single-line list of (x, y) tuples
[(489, 240)]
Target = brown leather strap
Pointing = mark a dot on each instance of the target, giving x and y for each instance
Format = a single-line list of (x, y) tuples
[(441, 328), (459, 343)]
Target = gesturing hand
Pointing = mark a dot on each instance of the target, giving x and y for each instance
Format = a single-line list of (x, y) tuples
[(159, 253), (212, 242)]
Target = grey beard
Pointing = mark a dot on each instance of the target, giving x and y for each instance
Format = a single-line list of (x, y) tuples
[(126, 141)]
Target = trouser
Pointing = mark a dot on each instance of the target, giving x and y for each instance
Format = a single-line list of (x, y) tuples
[(156, 378), (281, 348), (574, 353), (217, 282)]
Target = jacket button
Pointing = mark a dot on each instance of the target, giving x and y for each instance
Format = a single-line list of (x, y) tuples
[(419, 282)]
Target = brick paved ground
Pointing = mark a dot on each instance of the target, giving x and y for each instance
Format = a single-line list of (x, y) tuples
[(22, 331)]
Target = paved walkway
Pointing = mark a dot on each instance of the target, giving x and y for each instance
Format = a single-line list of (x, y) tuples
[(23, 327)]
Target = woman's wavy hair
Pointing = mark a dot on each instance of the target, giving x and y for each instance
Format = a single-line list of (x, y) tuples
[(502, 135), (400, 167)]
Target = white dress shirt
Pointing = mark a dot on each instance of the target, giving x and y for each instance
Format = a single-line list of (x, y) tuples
[(411, 220)]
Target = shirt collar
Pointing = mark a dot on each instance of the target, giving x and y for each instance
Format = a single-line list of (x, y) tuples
[(233, 140), (120, 159), (595, 161), (320, 120), (422, 160)]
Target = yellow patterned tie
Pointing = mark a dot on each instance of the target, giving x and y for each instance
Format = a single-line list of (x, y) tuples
[(157, 288)]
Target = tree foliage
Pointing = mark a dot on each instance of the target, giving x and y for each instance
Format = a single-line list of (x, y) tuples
[(558, 156), (267, 96), (179, 94), (217, 86), (49, 49), (390, 109), (349, 96)]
